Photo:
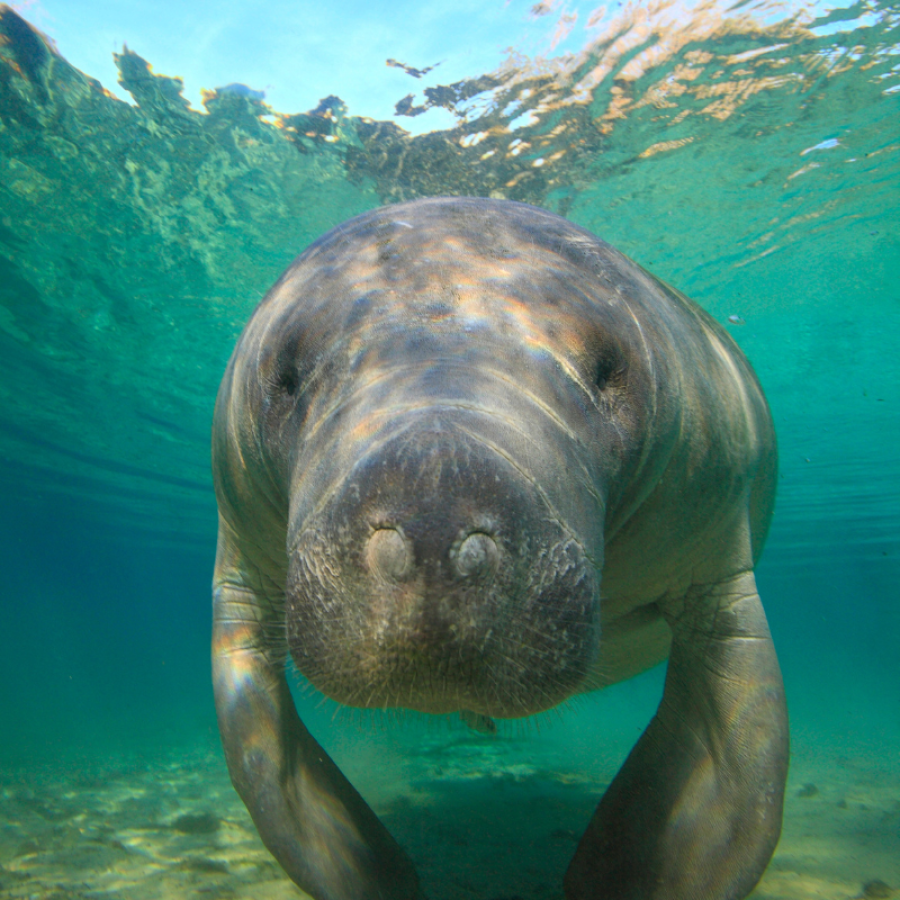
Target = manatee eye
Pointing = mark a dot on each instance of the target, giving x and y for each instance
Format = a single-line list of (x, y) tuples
[(284, 377), (288, 381), (609, 368), (282, 367)]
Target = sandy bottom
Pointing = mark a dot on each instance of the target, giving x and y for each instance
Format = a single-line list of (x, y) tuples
[(478, 821)]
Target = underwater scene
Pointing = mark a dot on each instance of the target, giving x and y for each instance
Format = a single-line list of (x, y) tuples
[(747, 154)]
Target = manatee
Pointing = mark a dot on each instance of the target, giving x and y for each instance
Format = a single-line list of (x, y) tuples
[(471, 459)]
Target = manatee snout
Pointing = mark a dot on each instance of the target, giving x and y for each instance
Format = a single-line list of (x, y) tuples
[(435, 577)]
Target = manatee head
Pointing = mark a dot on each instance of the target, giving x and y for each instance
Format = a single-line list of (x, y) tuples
[(443, 397)]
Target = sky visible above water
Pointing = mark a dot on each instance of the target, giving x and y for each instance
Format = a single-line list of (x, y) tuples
[(301, 52)]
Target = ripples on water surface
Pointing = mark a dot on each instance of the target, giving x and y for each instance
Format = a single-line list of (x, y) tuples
[(748, 155)]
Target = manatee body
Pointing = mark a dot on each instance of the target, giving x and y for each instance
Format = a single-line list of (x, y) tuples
[(468, 457)]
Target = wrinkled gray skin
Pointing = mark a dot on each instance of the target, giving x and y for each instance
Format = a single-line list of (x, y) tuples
[(468, 457)]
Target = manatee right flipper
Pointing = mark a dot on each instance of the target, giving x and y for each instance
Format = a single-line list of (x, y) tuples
[(309, 816), (695, 811)]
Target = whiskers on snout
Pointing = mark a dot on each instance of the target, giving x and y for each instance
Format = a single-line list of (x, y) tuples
[(439, 577), (510, 646), (500, 687)]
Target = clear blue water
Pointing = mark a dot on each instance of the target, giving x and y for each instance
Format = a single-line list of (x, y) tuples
[(754, 166)]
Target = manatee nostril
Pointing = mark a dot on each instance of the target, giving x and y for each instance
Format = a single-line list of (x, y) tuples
[(477, 555), (388, 554)]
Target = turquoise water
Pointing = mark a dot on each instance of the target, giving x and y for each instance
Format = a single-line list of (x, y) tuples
[(748, 157)]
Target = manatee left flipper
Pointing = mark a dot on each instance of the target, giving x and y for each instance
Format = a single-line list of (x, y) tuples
[(695, 811), (308, 814)]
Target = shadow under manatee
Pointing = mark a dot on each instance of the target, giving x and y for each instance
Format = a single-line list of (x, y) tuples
[(498, 837)]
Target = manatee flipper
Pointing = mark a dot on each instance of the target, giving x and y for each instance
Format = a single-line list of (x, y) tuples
[(308, 814), (695, 811)]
